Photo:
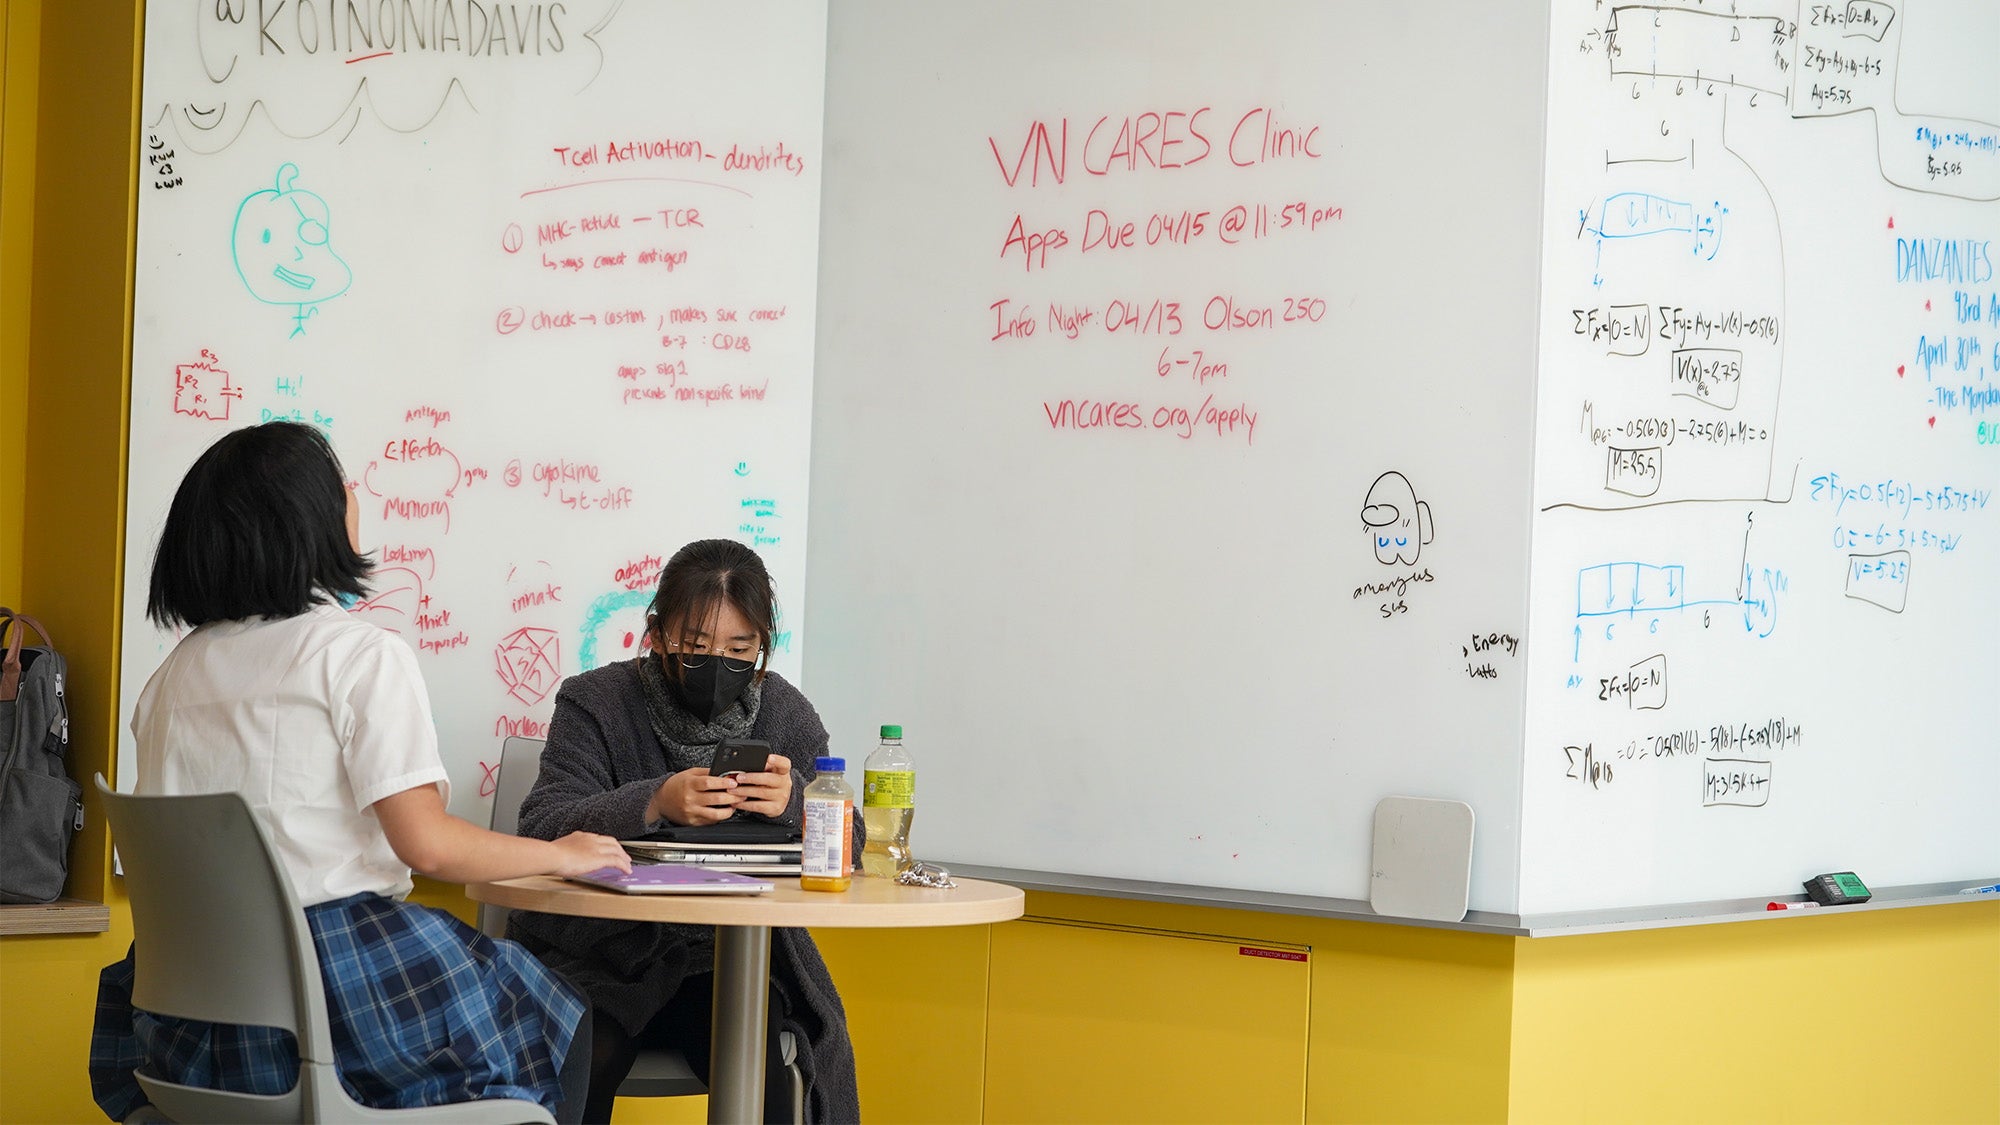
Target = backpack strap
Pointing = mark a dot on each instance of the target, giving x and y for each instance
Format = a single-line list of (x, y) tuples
[(10, 664)]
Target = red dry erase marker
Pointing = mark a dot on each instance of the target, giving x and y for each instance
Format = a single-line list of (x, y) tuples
[(1791, 906)]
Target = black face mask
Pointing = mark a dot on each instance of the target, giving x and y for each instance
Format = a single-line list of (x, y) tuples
[(708, 685)]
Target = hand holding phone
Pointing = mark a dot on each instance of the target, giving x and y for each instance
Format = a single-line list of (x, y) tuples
[(740, 755), (690, 797), (763, 780)]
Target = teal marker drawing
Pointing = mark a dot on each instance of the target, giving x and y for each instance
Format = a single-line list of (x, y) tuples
[(281, 244), (598, 625)]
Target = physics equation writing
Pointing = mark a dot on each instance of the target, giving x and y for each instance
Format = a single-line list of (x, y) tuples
[(1736, 759)]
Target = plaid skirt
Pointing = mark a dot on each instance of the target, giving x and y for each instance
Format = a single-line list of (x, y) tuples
[(425, 1010)]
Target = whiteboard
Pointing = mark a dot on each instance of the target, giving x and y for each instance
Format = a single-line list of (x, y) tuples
[(1212, 419), (1128, 312), (1693, 601), (1767, 449), (561, 320)]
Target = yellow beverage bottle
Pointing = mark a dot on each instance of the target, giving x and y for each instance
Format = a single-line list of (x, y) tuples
[(888, 804), (827, 859)]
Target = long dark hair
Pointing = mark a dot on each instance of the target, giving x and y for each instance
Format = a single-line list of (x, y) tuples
[(258, 528), (701, 578)]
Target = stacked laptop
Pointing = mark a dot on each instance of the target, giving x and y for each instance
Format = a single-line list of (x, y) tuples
[(746, 847)]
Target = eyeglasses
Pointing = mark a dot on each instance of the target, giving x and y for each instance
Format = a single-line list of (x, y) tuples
[(695, 655)]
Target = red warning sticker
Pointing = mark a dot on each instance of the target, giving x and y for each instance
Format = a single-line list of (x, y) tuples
[(1274, 954)]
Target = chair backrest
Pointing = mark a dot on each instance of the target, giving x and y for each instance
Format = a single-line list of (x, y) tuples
[(217, 931), (520, 763)]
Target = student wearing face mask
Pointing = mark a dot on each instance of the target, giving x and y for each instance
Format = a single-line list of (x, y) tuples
[(628, 753)]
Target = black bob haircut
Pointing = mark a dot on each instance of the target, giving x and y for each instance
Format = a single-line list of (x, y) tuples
[(698, 580), (258, 528)]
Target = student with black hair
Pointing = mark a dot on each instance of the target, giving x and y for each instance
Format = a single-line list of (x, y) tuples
[(322, 722), (628, 750)]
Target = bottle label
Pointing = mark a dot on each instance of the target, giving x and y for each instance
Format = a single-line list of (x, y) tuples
[(828, 852), (889, 789)]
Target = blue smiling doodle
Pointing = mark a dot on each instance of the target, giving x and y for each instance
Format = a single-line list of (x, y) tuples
[(1397, 522), (280, 244)]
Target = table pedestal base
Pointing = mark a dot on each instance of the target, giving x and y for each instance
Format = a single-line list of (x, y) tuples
[(736, 1047)]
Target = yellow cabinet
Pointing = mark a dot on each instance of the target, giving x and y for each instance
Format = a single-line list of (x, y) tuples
[(916, 1010), (1099, 1023)]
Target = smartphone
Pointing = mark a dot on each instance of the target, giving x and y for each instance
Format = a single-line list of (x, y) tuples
[(740, 755)]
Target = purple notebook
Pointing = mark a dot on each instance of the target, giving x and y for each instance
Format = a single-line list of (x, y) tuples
[(673, 879)]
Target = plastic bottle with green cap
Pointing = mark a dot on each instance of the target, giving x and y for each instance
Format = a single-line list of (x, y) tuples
[(888, 804)]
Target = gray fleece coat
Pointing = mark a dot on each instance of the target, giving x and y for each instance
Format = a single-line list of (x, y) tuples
[(600, 768)]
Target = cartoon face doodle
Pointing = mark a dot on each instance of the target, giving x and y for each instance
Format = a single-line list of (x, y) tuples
[(281, 243), (1399, 523)]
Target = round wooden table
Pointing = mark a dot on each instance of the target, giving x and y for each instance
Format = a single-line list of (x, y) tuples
[(743, 946)]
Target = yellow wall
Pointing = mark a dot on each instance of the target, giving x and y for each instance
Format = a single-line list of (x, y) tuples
[(78, 345), (1403, 1024), (1898, 1010), (20, 40), (66, 211), (46, 988)]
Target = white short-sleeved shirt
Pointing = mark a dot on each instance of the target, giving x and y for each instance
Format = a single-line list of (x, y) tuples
[(313, 719)]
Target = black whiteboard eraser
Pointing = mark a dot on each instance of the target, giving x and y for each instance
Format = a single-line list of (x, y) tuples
[(1837, 888)]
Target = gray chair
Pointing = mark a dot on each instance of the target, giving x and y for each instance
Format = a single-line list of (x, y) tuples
[(218, 935), (658, 1072)]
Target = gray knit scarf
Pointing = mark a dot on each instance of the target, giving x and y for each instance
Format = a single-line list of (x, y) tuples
[(688, 741)]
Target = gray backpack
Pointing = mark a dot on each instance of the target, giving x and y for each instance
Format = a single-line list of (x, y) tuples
[(40, 810)]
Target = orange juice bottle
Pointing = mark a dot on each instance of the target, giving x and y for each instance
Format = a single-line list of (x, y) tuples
[(827, 863)]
